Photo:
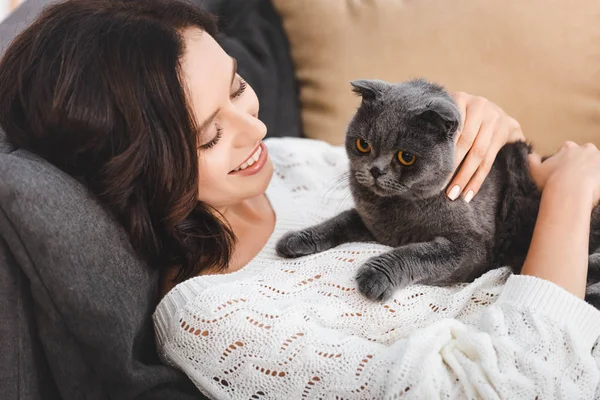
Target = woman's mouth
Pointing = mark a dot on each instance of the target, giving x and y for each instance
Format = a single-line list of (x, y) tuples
[(254, 163)]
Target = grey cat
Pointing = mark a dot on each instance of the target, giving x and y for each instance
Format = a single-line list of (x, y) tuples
[(401, 147)]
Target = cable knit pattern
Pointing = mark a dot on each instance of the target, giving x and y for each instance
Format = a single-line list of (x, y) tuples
[(298, 329)]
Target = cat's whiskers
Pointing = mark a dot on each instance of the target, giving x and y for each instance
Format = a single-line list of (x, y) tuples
[(340, 180), (337, 182), (363, 178), (394, 186)]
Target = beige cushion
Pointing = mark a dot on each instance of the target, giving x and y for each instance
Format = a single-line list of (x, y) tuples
[(538, 59)]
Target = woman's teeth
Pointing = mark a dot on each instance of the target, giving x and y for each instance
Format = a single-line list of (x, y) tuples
[(253, 158)]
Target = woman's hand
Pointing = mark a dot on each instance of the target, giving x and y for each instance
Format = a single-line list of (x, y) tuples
[(486, 128), (574, 168), (570, 184)]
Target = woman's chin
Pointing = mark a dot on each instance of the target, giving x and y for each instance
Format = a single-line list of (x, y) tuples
[(258, 183), (265, 176)]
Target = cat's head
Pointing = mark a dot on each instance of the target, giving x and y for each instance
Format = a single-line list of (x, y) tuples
[(401, 140)]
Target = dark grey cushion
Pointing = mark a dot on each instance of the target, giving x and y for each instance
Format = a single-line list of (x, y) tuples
[(24, 371), (92, 298), (75, 301)]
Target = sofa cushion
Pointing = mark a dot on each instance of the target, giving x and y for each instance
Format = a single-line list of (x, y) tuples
[(92, 298), (539, 59), (20, 345)]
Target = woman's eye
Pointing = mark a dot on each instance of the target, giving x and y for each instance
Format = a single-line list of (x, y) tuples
[(214, 140), (406, 158), (240, 90), (362, 145)]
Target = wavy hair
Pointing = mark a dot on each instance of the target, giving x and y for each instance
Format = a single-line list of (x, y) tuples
[(95, 87)]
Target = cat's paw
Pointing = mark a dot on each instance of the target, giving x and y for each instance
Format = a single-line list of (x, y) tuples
[(374, 281), (296, 244)]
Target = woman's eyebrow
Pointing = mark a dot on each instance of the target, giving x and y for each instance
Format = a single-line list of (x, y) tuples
[(214, 114)]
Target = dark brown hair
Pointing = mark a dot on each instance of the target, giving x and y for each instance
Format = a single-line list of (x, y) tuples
[(94, 87)]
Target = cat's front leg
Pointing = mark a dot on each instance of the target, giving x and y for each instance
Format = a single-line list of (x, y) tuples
[(427, 262), (343, 228)]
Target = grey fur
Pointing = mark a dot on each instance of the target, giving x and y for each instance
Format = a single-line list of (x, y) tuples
[(436, 241)]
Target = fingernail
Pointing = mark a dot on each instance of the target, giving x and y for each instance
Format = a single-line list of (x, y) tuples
[(469, 196), (453, 195)]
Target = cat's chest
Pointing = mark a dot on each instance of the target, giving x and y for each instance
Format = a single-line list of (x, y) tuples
[(399, 222)]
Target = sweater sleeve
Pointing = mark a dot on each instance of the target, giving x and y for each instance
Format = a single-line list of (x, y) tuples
[(535, 341)]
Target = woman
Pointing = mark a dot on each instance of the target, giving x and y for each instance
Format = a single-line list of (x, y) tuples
[(141, 104)]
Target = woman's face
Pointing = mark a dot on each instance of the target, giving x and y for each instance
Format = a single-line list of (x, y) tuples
[(233, 162)]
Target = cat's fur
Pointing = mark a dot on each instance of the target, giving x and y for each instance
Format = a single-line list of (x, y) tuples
[(437, 241)]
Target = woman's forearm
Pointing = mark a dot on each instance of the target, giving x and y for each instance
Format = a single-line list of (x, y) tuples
[(559, 248)]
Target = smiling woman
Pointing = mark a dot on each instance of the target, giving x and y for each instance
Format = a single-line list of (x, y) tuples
[(137, 101), (112, 146)]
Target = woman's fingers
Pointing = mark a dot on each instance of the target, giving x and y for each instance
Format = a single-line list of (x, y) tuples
[(473, 119), (535, 161), (541, 170), (477, 159), (485, 130), (515, 130), (461, 100), (485, 166)]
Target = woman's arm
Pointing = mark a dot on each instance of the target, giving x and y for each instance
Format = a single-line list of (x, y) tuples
[(570, 184), (559, 248)]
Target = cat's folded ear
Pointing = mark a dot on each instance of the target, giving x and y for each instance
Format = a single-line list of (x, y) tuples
[(369, 89), (442, 114)]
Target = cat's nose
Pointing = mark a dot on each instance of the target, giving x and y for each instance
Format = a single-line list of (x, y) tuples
[(376, 172)]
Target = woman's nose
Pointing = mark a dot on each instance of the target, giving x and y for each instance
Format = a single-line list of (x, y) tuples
[(248, 128), (253, 107)]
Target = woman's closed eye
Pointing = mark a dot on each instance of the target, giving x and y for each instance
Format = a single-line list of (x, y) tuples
[(240, 88), (214, 140)]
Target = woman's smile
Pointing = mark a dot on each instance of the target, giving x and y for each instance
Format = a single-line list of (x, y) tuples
[(254, 163)]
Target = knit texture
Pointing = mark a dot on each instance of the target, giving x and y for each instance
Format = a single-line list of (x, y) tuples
[(299, 329)]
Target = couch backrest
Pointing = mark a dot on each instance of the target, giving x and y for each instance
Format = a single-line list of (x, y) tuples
[(537, 59)]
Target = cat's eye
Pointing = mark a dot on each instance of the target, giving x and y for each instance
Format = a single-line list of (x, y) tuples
[(406, 158), (363, 146)]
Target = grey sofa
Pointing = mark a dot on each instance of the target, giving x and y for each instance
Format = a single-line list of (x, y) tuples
[(75, 301)]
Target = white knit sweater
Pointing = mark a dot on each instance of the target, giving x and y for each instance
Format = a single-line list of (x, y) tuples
[(298, 329)]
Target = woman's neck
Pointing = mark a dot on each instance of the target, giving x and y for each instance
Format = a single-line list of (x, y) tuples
[(248, 211), (252, 222)]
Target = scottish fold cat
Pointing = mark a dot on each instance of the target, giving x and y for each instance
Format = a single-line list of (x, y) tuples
[(400, 144)]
